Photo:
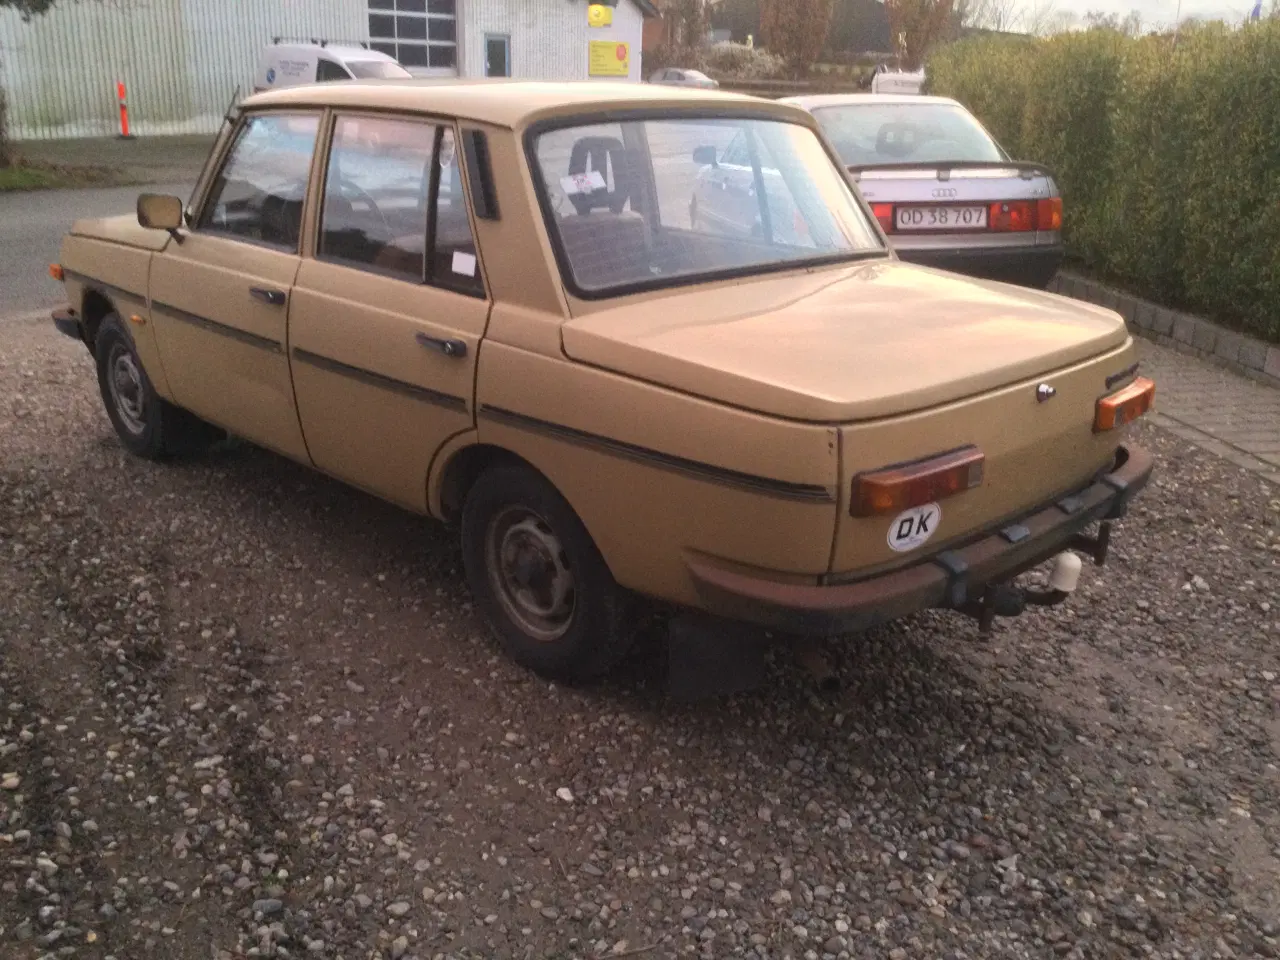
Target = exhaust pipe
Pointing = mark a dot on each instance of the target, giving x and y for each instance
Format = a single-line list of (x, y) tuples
[(815, 663)]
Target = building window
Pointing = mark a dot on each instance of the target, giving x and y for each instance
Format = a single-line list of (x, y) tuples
[(418, 33)]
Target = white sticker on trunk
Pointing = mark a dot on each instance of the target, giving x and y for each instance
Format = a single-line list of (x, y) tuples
[(912, 528)]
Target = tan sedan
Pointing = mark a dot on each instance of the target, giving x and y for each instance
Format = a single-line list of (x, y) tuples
[(489, 302)]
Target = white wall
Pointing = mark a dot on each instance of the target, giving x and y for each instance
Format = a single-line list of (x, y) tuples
[(180, 59), (548, 37)]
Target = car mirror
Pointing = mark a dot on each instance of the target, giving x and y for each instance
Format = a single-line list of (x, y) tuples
[(705, 156), (159, 212)]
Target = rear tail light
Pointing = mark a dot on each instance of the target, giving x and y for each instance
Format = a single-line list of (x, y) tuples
[(898, 488), (884, 213), (1125, 405), (1049, 214), (1014, 216)]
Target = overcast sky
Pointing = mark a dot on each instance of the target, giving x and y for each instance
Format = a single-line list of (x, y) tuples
[(1156, 13)]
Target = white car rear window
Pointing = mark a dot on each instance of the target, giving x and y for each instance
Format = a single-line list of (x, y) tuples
[(876, 134)]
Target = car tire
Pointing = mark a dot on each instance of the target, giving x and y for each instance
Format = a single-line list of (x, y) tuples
[(539, 579), (148, 425)]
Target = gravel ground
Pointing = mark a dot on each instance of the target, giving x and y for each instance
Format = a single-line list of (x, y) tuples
[(245, 711)]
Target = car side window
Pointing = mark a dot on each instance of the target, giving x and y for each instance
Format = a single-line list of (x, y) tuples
[(258, 194), (374, 214), (328, 70), (735, 154), (454, 263)]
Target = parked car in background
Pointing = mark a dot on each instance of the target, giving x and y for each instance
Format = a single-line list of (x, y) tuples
[(285, 63), (784, 425), (944, 191), (888, 80), (684, 77)]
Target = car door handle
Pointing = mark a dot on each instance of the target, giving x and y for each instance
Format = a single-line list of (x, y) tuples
[(449, 347), (274, 298)]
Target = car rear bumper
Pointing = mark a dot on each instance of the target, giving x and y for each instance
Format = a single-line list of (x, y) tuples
[(65, 319), (949, 580), (1029, 266)]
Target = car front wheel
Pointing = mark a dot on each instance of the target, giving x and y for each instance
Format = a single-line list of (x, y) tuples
[(539, 579), (147, 424)]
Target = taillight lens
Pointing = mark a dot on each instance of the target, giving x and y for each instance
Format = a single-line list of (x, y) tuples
[(898, 488), (1021, 216), (55, 271), (884, 213), (1125, 405), (1049, 214)]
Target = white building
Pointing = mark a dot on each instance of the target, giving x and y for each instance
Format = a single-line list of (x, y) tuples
[(182, 60)]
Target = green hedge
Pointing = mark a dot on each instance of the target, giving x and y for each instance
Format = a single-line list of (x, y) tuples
[(1168, 158)]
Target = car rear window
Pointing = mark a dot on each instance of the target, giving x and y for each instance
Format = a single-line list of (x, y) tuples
[(377, 70), (877, 134), (648, 203)]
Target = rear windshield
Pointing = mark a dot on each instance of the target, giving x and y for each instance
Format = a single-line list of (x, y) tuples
[(875, 134), (649, 203), (377, 70)]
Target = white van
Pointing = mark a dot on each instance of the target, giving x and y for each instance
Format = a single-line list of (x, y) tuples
[(897, 81), (286, 63)]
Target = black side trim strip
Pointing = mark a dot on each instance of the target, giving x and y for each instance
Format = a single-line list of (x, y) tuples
[(101, 287), (805, 492), (447, 400), (213, 326)]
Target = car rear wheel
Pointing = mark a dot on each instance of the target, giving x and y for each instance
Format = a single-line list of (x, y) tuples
[(147, 424), (538, 578)]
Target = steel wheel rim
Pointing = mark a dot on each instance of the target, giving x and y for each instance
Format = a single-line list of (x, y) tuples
[(124, 380), (530, 573)]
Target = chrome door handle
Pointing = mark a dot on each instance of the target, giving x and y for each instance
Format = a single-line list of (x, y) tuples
[(449, 347), (274, 298)]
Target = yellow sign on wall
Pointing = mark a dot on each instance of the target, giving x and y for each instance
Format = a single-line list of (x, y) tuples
[(609, 58), (598, 15)]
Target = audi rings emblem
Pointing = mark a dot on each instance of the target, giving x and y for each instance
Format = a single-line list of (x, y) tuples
[(944, 193)]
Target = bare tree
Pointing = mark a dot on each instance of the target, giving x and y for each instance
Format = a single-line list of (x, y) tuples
[(999, 15), (915, 26)]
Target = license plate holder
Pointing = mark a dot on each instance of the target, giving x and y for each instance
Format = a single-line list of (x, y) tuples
[(946, 217)]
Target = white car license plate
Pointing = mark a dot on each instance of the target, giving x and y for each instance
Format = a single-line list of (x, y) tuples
[(942, 218)]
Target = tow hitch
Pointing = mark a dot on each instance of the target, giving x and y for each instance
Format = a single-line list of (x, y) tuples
[(1006, 600)]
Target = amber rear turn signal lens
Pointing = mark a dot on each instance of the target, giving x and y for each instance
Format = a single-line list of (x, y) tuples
[(1049, 214), (899, 488), (55, 271), (1125, 405)]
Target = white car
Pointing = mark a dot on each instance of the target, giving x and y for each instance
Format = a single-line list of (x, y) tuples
[(684, 77), (284, 63), (945, 193)]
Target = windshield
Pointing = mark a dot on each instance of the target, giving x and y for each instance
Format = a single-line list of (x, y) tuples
[(377, 70), (875, 134), (652, 202)]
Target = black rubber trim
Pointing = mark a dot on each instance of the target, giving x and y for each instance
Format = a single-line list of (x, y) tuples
[(957, 569), (106, 288), (1124, 374), (484, 198), (66, 323), (1071, 504), (222, 329), (782, 489), (1015, 533), (447, 400)]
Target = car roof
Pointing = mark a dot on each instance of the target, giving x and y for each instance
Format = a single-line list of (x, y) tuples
[(509, 103), (864, 99)]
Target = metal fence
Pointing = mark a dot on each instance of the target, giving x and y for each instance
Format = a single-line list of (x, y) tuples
[(180, 60)]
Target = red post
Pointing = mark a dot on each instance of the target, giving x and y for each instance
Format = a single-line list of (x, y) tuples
[(124, 111)]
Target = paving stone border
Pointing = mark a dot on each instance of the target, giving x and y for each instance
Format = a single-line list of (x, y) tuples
[(1184, 332)]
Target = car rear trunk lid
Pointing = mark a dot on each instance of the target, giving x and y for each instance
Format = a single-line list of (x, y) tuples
[(841, 345)]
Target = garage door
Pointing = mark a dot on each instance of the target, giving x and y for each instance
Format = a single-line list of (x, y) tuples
[(421, 34)]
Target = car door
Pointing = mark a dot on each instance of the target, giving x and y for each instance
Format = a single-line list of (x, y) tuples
[(728, 198), (386, 319), (220, 292)]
